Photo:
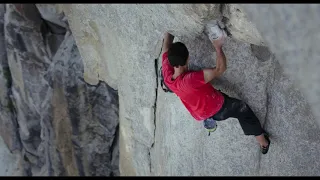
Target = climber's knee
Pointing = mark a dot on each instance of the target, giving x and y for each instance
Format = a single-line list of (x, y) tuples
[(243, 107)]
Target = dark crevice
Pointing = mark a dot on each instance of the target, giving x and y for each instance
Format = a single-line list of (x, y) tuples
[(50, 168), (50, 33), (90, 85), (224, 19), (154, 110), (31, 153), (73, 112), (54, 28), (155, 101), (221, 8), (112, 148), (115, 139), (8, 76), (27, 171), (78, 159)]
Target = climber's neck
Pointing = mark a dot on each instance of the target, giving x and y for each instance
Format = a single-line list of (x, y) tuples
[(179, 70)]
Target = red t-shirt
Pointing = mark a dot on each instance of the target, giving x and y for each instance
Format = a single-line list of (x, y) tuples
[(200, 98)]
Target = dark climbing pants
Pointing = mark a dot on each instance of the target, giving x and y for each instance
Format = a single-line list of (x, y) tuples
[(236, 108)]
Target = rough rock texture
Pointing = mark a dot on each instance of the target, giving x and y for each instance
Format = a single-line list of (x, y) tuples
[(182, 146), (121, 51), (9, 163), (8, 124), (292, 33), (261, 52), (240, 27), (126, 24), (53, 14), (66, 126), (158, 136), (66, 117)]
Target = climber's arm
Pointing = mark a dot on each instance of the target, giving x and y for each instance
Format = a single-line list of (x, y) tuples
[(221, 64), (168, 39)]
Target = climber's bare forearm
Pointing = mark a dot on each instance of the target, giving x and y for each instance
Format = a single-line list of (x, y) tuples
[(221, 62), (221, 66), (167, 41)]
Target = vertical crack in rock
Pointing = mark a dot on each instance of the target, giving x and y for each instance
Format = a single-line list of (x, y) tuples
[(221, 8), (154, 111), (156, 61), (114, 148), (224, 11)]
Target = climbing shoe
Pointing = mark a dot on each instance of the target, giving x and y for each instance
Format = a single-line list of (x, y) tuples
[(210, 124), (264, 150)]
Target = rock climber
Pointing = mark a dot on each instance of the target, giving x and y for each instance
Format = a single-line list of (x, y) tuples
[(194, 89)]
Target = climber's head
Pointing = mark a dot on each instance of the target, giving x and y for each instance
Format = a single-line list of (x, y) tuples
[(178, 55)]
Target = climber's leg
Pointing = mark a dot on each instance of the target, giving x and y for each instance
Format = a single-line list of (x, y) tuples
[(249, 122)]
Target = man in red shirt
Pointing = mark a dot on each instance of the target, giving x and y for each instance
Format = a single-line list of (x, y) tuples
[(201, 99)]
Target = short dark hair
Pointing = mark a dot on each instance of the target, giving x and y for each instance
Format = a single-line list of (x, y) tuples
[(178, 54)]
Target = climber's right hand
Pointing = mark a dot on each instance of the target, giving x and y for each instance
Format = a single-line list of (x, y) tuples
[(217, 44)]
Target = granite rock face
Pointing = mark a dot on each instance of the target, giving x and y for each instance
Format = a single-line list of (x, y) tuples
[(97, 38), (121, 51), (292, 33), (119, 45), (183, 148), (66, 115), (65, 126), (240, 27)]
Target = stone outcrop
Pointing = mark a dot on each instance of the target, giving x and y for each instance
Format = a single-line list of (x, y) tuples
[(64, 125)]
